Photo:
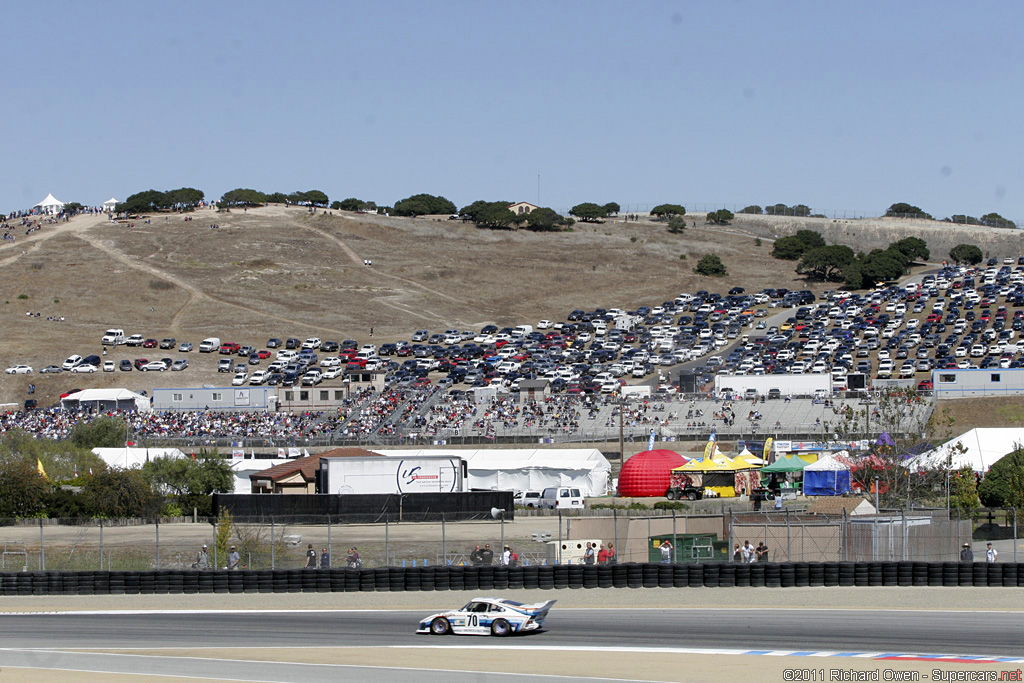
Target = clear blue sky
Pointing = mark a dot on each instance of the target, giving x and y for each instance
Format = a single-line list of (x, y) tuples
[(838, 105)]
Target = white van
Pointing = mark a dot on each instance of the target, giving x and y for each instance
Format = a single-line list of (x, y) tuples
[(561, 498), (113, 336), (522, 330), (209, 345)]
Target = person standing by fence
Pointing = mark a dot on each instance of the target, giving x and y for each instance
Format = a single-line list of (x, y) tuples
[(991, 554), (233, 559), (310, 557), (202, 559)]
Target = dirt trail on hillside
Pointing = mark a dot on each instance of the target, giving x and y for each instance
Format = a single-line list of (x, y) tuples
[(195, 294), (360, 261)]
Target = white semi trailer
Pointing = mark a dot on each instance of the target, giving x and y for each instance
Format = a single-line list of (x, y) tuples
[(379, 474)]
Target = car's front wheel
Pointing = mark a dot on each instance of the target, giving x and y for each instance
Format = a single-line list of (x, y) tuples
[(440, 627), (500, 628), (670, 494), (691, 496)]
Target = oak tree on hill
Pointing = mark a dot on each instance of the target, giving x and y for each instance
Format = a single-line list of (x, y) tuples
[(904, 210), (676, 225), (826, 263), (545, 219), (243, 197), (611, 209), (665, 211), (710, 265), (423, 205), (994, 220), (962, 219), (588, 212), (490, 214), (720, 217), (789, 248), (966, 253), (913, 248), (752, 209)]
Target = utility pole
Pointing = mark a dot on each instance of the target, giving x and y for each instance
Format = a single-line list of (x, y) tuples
[(622, 443)]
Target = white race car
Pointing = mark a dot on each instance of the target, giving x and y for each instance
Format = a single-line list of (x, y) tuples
[(488, 616)]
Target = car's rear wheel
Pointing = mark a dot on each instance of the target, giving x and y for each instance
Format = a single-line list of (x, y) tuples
[(440, 627), (691, 496), (500, 628)]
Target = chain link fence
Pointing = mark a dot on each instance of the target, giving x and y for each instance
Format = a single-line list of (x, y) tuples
[(536, 537)]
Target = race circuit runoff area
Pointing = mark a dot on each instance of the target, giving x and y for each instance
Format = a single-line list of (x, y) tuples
[(692, 635)]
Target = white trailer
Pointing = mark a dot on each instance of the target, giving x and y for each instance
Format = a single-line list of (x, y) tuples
[(788, 385), (418, 474)]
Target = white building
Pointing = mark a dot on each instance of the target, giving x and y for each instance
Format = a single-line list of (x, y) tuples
[(110, 205), (975, 382)]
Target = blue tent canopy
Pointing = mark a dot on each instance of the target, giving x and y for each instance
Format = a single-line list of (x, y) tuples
[(827, 477)]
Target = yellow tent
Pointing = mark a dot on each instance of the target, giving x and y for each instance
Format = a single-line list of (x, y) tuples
[(724, 486)]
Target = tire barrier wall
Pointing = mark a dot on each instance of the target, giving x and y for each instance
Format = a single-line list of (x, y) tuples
[(497, 579)]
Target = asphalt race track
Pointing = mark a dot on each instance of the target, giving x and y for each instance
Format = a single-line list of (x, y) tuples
[(983, 633), (42, 639)]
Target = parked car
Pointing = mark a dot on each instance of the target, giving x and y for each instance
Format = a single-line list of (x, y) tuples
[(51, 369), (135, 340), (168, 343), (224, 365), (239, 379), (125, 365), (273, 343), (157, 365), (71, 362), (179, 365), (185, 347), (84, 368), (149, 343), (108, 366), (19, 370), (292, 343), (139, 362)]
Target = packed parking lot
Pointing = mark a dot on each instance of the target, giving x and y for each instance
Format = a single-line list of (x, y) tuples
[(463, 383)]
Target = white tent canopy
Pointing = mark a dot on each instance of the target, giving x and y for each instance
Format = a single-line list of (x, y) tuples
[(110, 204), (106, 399), (50, 205), (521, 469), (978, 449), (134, 457), (827, 463)]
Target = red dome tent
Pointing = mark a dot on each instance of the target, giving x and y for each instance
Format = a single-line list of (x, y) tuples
[(647, 473)]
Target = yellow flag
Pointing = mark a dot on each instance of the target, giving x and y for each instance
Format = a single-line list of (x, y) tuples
[(39, 468)]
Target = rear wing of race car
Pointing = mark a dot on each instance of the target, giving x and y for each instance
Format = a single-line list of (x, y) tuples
[(537, 610)]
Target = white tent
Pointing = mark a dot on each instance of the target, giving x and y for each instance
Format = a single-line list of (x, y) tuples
[(241, 468), (829, 476), (135, 457), (50, 205), (978, 449), (502, 469), (106, 399), (110, 205)]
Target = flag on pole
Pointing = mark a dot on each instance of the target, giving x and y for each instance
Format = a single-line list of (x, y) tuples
[(193, 456), (39, 468), (650, 441), (490, 434)]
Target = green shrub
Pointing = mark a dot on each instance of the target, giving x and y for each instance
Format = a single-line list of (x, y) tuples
[(671, 505), (23, 296)]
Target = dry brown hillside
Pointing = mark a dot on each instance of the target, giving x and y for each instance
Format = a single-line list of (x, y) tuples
[(279, 272)]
